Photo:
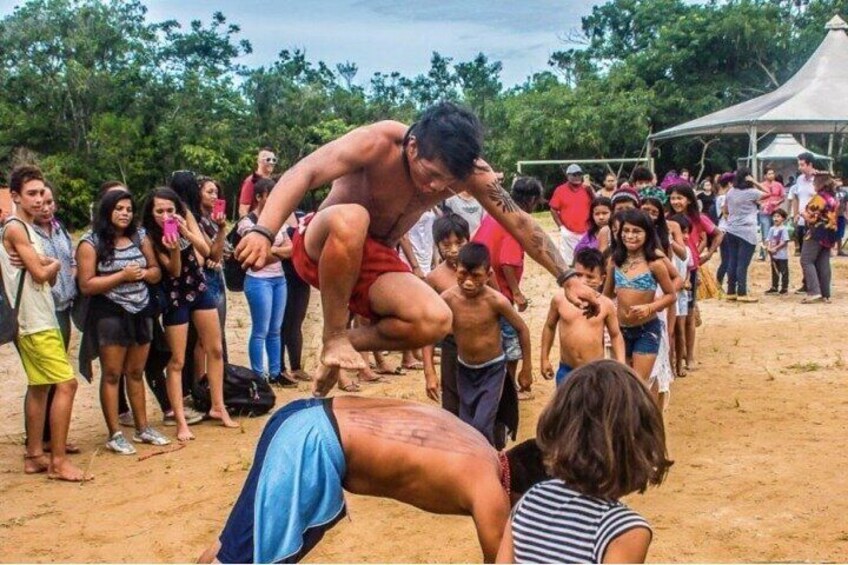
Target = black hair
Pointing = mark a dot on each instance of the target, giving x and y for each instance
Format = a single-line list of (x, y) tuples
[(109, 185), (201, 180), (526, 466), (526, 191), (474, 255), (682, 221), (599, 201), (23, 174), (262, 187), (641, 220), (104, 229), (450, 133), (807, 157), (149, 222), (184, 183), (685, 190), (663, 240), (590, 258), (448, 225), (641, 174), (767, 169), (741, 179), (780, 212)]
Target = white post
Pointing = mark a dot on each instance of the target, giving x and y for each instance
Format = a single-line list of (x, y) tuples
[(755, 169)]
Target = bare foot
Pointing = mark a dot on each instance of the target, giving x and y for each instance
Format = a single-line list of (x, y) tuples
[(67, 471), (326, 380), (184, 434), (224, 417), (367, 376), (36, 464), (300, 375), (347, 384), (71, 448), (339, 353)]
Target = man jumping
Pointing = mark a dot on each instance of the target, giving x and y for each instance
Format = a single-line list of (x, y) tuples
[(312, 450), (384, 176)]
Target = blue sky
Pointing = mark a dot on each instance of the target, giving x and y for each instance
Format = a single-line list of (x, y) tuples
[(389, 35)]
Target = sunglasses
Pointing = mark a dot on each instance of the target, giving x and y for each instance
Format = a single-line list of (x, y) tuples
[(271, 160)]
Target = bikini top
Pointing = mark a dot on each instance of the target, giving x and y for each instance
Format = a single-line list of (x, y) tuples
[(644, 282)]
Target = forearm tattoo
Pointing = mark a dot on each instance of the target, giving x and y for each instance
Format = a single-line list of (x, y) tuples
[(501, 197), (543, 243)]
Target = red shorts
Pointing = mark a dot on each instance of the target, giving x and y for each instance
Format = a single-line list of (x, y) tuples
[(377, 259)]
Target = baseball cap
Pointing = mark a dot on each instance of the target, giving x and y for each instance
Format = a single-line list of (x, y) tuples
[(574, 169)]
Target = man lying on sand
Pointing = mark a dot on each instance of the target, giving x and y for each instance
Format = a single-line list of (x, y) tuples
[(311, 451)]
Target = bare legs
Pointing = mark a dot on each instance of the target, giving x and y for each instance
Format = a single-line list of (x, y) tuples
[(209, 337), (36, 461)]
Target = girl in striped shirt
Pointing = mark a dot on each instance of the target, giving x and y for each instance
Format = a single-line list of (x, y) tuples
[(602, 438)]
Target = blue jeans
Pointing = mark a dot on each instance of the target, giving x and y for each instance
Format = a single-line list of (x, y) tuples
[(740, 253), (266, 298), (765, 222)]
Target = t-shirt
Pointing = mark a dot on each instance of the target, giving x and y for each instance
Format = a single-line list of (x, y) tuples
[(468, 209), (132, 296), (553, 523), (421, 239), (776, 192), (270, 270), (246, 193), (572, 207), (504, 250), (700, 224), (776, 236), (722, 219), (742, 213), (802, 191), (823, 224)]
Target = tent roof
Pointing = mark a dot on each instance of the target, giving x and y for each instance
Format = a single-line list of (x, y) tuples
[(785, 147), (812, 101)]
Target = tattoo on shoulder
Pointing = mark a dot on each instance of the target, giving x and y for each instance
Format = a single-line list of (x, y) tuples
[(501, 197)]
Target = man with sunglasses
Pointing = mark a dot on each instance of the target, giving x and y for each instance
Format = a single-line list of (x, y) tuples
[(384, 176), (265, 163)]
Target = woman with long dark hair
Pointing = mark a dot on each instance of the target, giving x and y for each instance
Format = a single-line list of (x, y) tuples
[(180, 255), (212, 226), (116, 263)]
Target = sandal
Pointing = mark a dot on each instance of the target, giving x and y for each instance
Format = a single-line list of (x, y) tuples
[(352, 386)]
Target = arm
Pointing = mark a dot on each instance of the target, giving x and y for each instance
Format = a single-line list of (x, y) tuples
[(555, 215), (645, 311), (506, 554), (284, 250), (431, 380), (512, 282), (90, 283), (409, 253), (609, 281), (190, 230), (42, 269), (548, 334), (678, 245), (757, 185), (616, 338), (490, 512), (629, 547), (216, 246), (604, 239), (505, 309), (153, 273), (171, 261)]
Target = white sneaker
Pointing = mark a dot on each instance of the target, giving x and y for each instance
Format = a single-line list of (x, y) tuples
[(126, 419), (151, 436), (119, 444)]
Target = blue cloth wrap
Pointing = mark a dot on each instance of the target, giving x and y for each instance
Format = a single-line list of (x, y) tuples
[(562, 373)]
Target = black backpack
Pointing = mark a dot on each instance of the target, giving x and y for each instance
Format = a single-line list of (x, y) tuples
[(8, 311), (245, 393), (233, 272)]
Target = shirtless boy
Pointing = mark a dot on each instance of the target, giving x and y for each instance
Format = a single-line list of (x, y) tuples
[(481, 364), (451, 233), (311, 451), (581, 340), (384, 176)]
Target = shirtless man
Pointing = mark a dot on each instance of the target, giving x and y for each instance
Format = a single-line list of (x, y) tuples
[(384, 176), (312, 450), (581, 340)]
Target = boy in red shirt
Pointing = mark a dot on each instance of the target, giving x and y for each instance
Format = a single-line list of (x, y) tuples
[(570, 205)]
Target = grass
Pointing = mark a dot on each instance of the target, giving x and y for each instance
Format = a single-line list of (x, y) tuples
[(806, 367)]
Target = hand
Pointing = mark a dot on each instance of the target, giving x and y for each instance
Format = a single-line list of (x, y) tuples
[(525, 378), (416, 270), (583, 296), (133, 272), (547, 370), (432, 386), (170, 242), (521, 302), (45, 260), (705, 257), (213, 265), (220, 219), (750, 178), (15, 260), (642, 311), (253, 251), (181, 224)]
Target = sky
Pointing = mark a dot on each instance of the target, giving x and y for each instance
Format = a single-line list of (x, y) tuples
[(391, 35)]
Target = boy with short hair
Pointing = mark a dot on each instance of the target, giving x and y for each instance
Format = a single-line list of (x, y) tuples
[(26, 270), (581, 339), (451, 233), (777, 243), (481, 365)]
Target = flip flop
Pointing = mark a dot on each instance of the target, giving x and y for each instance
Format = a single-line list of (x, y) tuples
[(84, 479), (350, 387)]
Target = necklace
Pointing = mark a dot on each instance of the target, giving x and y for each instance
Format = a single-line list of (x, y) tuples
[(630, 263)]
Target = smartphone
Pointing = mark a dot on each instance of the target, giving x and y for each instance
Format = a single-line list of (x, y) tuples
[(171, 228), (220, 207)]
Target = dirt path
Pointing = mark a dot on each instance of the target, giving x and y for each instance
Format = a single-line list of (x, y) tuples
[(757, 434)]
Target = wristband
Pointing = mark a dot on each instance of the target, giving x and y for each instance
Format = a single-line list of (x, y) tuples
[(263, 231), (563, 277)]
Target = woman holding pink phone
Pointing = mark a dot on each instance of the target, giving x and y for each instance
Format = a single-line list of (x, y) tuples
[(213, 219), (181, 249)]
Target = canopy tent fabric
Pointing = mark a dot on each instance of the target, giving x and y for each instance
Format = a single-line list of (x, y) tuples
[(785, 147), (812, 101)]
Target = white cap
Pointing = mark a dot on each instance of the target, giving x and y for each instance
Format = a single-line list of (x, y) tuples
[(574, 169)]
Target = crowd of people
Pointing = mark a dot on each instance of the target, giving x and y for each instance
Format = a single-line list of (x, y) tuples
[(401, 267)]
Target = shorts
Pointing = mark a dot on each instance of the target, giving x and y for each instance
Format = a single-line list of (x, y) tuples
[(562, 373), (480, 388), (683, 303), (693, 290), (44, 358), (377, 259), (180, 315), (840, 227), (293, 493), (509, 341), (124, 331), (642, 340)]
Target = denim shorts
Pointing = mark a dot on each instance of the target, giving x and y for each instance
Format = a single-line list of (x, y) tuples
[(642, 340), (509, 341), (206, 300)]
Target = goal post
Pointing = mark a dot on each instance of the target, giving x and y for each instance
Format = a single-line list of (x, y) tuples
[(521, 165)]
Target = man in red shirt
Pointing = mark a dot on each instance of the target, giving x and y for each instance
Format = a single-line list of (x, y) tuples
[(570, 207), (265, 163)]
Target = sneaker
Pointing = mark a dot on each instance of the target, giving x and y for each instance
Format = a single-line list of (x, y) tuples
[(731, 296), (771, 291), (192, 417), (747, 299), (151, 436), (126, 419), (119, 444), (282, 380), (813, 299), (784, 291), (801, 290)]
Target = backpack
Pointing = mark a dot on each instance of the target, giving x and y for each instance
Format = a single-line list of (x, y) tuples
[(245, 393), (8, 313), (233, 272)]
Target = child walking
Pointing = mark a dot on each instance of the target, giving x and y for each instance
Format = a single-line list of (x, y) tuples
[(602, 438), (481, 363), (777, 243)]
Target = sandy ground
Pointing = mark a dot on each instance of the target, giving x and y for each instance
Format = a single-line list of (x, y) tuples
[(757, 434)]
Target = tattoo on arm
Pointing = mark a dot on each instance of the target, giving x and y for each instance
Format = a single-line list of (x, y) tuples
[(501, 197), (548, 249)]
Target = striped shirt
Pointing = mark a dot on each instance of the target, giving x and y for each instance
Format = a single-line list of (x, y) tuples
[(555, 524), (131, 296)]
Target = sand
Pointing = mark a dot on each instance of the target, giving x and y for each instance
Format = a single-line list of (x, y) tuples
[(756, 434)]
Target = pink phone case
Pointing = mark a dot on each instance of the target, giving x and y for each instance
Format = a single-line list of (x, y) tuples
[(171, 228), (220, 206)]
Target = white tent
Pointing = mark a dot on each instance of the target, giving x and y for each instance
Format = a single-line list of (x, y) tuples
[(781, 155), (812, 101)]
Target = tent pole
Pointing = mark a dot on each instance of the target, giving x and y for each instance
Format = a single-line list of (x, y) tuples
[(755, 169), (649, 148)]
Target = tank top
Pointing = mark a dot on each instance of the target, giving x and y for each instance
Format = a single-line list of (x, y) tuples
[(131, 296), (36, 313)]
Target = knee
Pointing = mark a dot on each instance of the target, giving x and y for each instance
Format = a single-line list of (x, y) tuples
[(349, 223), (134, 375), (215, 351), (68, 387), (176, 363), (111, 377), (434, 323)]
